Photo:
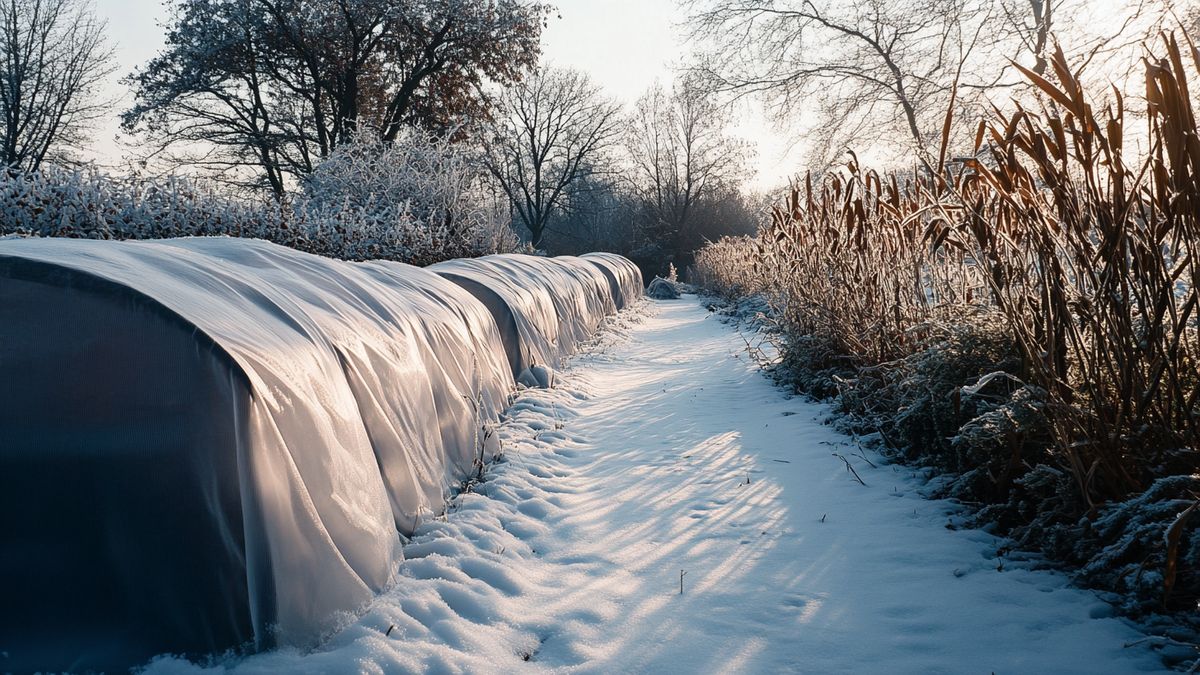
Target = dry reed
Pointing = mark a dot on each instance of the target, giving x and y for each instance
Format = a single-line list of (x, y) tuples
[(1089, 256)]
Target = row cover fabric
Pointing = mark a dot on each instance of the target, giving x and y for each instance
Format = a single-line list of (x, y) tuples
[(209, 443), (545, 307), (624, 277)]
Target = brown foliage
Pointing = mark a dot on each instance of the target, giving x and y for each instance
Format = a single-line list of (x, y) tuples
[(1088, 255)]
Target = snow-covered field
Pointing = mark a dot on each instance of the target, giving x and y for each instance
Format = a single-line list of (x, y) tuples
[(662, 450)]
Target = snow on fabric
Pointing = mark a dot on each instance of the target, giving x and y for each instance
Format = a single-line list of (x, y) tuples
[(545, 307), (624, 277), (209, 443)]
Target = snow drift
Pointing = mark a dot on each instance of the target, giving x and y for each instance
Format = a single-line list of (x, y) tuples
[(212, 443)]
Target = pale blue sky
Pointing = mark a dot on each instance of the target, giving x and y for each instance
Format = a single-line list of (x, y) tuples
[(625, 45)]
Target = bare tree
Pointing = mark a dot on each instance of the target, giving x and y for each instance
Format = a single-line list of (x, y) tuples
[(880, 74), (598, 216), (876, 66), (53, 62), (1032, 22), (1028, 29), (552, 133), (681, 156)]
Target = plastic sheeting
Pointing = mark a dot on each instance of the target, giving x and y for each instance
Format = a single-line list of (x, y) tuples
[(545, 307), (212, 443), (624, 277)]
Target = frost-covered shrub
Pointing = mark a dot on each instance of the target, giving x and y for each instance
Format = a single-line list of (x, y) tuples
[(662, 289), (89, 204), (815, 366), (957, 405), (994, 448), (419, 200), (961, 365), (1040, 514), (420, 195), (1125, 549), (966, 371)]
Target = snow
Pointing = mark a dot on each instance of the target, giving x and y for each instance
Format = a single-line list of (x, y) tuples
[(661, 450)]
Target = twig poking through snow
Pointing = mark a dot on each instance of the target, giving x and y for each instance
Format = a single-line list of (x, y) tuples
[(681, 573), (863, 457), (850, 468), (1162, 639)]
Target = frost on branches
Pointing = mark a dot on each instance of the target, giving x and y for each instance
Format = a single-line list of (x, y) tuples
[(418, 200), (419, 195)]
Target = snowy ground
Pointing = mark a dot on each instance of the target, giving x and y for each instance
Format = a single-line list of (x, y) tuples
[(664, 449)]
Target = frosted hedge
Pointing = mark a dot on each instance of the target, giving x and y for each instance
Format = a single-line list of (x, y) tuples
[(214, 443), (415, 201)]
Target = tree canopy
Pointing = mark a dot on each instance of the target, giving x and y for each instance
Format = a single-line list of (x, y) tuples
[(259, 91)]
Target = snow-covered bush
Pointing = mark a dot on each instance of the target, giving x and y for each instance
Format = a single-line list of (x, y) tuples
[(419, 200), (956, 405), (662, 289), (1128, 550), (420, 196), (89, 204)]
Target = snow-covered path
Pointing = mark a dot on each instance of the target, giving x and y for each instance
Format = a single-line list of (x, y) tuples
[(663, 450)]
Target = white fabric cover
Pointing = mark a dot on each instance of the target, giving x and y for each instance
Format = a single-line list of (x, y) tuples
[(369, 384), (552, 304), (317, 407), (623, 275)]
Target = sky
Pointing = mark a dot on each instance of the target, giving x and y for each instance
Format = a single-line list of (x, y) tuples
[(624, 45)]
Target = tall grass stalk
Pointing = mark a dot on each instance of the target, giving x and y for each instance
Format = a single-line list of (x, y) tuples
[(1087, 254)]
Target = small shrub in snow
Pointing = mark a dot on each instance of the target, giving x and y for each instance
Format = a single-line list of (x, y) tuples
[(662, 289), (815, 366), (1125, 548), (966, 369)]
